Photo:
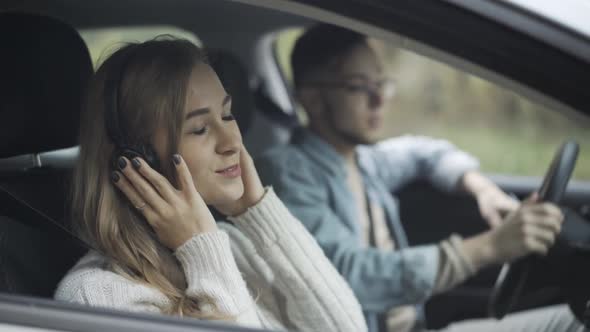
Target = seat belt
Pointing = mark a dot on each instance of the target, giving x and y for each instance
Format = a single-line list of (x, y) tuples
[(38, 217)]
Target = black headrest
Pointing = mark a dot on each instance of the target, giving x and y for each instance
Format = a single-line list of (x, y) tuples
[(235, 79), (44, 69)]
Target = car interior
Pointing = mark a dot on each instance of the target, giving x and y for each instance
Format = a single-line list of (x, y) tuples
[(40, 105)]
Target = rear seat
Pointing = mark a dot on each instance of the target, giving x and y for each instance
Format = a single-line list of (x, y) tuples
[(44, 67)]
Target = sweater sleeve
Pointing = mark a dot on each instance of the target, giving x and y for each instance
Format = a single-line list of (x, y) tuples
[(209, 267), (99, 288), (317, 297), (454, 267), (211, 271)]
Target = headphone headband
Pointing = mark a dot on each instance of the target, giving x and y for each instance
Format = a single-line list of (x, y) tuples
[(115, 126), (112, 99)]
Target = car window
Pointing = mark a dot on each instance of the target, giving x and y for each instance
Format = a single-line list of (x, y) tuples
[(508, 133), (102, 42)]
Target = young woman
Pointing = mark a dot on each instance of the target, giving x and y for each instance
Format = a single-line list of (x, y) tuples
[(159, 144)]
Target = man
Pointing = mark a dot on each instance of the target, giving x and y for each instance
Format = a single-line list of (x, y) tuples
[(337, 180)]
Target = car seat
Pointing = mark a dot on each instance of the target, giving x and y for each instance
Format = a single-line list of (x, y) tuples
[(44, 68)]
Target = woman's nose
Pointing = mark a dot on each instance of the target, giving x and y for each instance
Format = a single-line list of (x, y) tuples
[(229, 140)]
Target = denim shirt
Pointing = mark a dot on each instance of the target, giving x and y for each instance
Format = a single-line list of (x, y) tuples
[(310, 178)]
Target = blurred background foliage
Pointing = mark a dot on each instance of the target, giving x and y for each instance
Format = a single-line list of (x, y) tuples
[(103, 42), (508, 133)]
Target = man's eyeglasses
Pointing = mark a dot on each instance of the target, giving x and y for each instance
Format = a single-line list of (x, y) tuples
[(384, 88)]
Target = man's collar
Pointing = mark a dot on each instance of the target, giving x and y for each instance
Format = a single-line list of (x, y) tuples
[(319, 150)]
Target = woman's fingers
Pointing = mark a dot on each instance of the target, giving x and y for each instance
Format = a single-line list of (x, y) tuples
[(157, 180), (144, 189), (175, 219), (185, 179), (253, 189), (132, 195)]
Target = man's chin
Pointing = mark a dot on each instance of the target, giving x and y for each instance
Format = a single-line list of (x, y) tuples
[(367, 139)]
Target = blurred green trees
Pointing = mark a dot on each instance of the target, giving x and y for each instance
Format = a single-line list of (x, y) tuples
[(508, 133)]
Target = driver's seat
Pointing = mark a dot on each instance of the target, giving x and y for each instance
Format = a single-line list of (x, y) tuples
[(44, 68)]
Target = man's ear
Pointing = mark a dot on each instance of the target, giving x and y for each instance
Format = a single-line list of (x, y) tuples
[(311, 100)]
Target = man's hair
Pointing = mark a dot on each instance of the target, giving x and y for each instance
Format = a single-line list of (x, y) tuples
[(319, 46)]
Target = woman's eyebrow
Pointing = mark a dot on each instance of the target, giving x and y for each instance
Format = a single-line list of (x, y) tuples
[(197, 112), (205, 110)]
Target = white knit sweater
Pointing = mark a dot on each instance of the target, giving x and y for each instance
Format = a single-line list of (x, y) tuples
[(267, 255)]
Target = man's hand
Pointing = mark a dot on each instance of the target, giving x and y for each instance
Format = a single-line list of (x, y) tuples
[(493, 203), (531, 229)]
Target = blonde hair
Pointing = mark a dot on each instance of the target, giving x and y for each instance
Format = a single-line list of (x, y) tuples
[(152, 94)]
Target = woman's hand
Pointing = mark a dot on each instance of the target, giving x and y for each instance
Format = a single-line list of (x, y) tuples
[(176, 215), (253, 189), (531, 229)]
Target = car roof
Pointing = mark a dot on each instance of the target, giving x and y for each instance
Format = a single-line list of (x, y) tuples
[(517, 49), (216, 23)]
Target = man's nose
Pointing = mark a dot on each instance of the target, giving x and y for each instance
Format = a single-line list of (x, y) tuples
[(376, 100)]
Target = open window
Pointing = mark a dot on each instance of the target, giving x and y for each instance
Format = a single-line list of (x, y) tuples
[(510, 134)]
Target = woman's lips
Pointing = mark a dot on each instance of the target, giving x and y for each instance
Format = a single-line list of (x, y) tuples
[(230, 172)]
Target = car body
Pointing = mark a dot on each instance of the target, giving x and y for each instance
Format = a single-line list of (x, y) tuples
[(541, 54)]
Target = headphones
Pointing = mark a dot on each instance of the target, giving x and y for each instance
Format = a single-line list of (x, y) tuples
[(114, 123)]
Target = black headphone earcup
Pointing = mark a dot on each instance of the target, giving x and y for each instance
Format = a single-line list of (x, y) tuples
[(145, 152), (151, 157), (128, 153)]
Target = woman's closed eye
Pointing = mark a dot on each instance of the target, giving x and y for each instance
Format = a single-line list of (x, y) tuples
[(202, 130), (198, 131), (228, 117)]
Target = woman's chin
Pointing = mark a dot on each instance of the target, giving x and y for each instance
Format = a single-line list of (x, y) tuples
[(226, 197)]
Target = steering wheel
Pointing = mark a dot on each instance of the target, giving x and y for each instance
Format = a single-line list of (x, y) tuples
[(512, 278)]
